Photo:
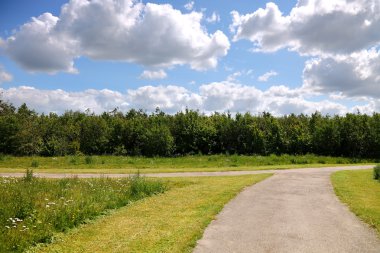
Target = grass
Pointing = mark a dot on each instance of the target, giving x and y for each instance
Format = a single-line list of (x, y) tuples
[(33, 209), (169, 222), (361, 193), (125, 164)]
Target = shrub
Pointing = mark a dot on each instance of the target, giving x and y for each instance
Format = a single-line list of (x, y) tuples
[(35, 164), (376, 173), (88, 160)]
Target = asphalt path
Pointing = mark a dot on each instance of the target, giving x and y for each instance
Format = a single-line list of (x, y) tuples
[(292, 211)]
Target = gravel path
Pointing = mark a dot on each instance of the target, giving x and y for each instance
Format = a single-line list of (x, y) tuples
[(292, 211), (190, 174)]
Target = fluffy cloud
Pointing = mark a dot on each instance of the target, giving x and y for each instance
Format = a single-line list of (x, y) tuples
[(126, 30), (4, 76), (313, 27), (265, 77), (352, 75), (38, 47), (217, 96), (151, 74)]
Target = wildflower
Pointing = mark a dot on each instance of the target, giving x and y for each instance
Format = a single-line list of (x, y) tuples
[(47, 206), (7, 227)]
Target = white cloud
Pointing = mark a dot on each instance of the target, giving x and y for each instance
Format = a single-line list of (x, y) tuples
[(151, 75), (265, 77), (148, 34), (59, 100), (168, 98), (232, 77), (38, 47), (313, 27), (4, 75), (189, 6), (352, 75), (217, 96), (214, 18)]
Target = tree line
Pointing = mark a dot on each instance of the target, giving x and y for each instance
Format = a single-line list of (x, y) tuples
[(25, 132)]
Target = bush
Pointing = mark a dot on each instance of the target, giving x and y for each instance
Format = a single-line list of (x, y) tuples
[(35, 164), (88, 160), (376, 173)]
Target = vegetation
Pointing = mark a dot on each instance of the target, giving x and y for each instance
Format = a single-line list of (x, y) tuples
[(23, 132), (361, 193), (169, 222), (33, 209), (129, 164), (376, 173)]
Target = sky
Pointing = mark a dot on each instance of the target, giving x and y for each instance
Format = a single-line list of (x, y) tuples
[(241, 56)]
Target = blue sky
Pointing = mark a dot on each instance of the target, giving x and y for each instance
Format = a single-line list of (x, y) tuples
[(282, 57)]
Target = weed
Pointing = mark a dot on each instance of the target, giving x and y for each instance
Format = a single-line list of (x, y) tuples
[(28, 175)]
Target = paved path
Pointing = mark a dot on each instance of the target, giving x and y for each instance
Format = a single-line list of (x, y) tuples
[(292, 211)]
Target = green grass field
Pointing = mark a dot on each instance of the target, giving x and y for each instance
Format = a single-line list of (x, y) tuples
[(125, 164), (33, 209), (169, 222), (361, 193)]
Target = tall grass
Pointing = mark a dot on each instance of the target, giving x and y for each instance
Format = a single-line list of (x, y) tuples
[(33, 209), (195, 161)]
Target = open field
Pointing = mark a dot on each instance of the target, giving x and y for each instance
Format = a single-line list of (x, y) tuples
[(33, 209), (126, 164), (361, 193), (169, 222)]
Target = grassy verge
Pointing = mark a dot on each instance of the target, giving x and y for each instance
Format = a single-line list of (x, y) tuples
[(33, 209), (361, 193), (124, 164), (170, 222)]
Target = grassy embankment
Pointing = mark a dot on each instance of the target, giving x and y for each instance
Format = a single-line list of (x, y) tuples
[(361, 193), (169, 222), (33, 209), (125, 164)]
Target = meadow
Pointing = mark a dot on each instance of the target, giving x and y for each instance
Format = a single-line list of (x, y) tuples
[(32, 210), (360, 190), (168, 222), (131, 164)]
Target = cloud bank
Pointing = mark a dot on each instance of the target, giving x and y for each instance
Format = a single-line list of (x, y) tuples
[(212, 97)]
